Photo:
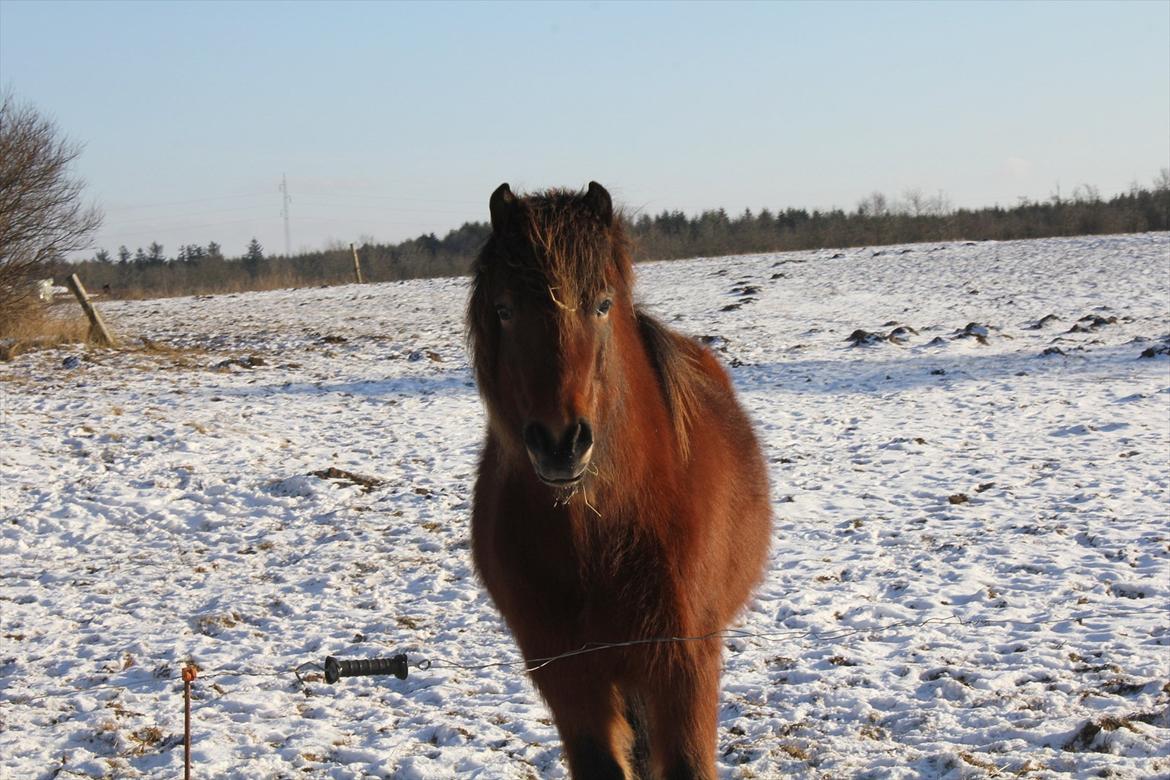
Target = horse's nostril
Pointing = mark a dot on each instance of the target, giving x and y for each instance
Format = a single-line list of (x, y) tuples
[(577, 440), (570, 447), (537, 439), (584, 438)]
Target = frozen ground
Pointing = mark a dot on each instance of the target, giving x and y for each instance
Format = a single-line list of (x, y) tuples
[(970, 573)]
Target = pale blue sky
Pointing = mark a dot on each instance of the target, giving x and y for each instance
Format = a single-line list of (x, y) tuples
[(395, 119)]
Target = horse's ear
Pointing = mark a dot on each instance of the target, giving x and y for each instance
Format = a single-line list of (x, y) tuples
[(600, 203), (502, 206)]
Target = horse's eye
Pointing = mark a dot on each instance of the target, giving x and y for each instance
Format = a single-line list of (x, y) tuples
[(504, 311), (604, 307)]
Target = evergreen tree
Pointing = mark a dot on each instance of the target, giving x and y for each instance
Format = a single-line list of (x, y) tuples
[(194, 253), (123, 254), (156, 255), (254, 258)]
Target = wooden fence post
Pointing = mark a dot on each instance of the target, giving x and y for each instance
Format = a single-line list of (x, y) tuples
[(357, 265), (97, 326)]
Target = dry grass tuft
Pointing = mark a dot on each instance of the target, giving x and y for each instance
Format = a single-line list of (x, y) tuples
[(152, 347), (179, 357), (980, 763), (795, 751), (166, 355), (145, 739), (36, 326)]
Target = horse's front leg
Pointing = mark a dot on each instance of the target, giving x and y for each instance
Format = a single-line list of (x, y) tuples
[(590, 715), (682, 698)]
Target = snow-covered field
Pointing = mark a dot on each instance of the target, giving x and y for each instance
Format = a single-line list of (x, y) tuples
[(970, 572)]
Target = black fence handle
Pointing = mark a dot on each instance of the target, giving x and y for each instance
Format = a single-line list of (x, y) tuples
[(365, 667)]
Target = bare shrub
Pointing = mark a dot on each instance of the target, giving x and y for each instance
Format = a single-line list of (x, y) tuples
[(42, 215), (1162, 181)]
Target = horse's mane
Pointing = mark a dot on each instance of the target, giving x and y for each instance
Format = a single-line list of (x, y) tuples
[(676, 360)]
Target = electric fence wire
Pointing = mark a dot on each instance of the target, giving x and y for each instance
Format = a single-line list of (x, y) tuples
[(536, 664)]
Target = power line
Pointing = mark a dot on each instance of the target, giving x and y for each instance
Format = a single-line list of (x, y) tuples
[(171, 229), (380, 207), (160, 204), (136, 221)]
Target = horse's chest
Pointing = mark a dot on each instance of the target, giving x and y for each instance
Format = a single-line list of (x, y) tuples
[(571, 574)]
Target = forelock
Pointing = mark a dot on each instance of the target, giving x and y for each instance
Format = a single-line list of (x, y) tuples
[(561, 248)]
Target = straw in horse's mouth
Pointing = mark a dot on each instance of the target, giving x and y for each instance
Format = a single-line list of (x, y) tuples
[(567, 489)]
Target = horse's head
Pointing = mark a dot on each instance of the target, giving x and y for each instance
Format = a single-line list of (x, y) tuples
[(550, 296)]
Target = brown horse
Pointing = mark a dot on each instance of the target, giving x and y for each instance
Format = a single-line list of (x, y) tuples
[(622, 495)]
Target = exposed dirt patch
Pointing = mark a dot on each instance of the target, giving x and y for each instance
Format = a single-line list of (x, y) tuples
[(344, 477)]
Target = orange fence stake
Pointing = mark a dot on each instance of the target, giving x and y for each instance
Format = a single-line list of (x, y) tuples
[(189, 674)]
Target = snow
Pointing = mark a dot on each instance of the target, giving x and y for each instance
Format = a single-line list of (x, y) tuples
[(970, 572)]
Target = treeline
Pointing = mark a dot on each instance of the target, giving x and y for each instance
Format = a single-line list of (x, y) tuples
[(197, 269), (879, 220), (669, 235)]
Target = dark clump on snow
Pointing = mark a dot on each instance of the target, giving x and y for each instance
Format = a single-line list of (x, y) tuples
[(1088, 737), (1129, 591), (249, 362), (899, 335), (1091, 322), (974, 330), (1044, 322), (1052, 351), (1153, 352), (958, 498), (367, 484), (863, 338)]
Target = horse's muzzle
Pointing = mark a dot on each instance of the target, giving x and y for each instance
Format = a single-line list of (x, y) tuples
[(561, 460)]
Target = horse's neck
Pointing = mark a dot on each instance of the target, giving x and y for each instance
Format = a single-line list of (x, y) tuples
[(642, 457)]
